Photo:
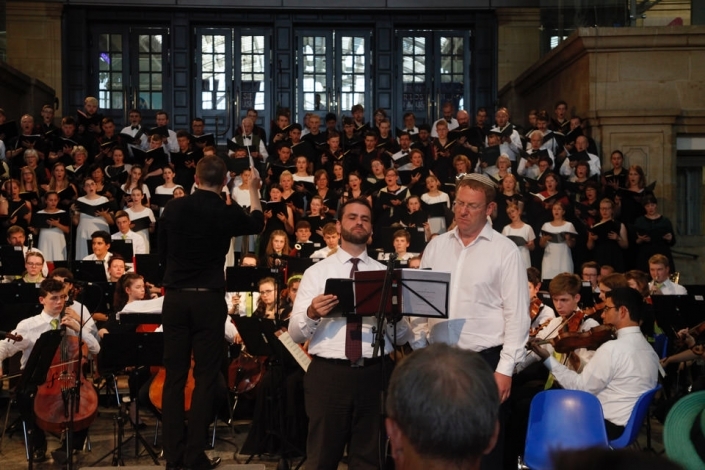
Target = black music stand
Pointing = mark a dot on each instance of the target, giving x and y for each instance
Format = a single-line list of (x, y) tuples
[(121, 247), (119, 351), (11, 260), (34, 375), (88, 270), (149, 267), (260, 339), (245, 278), (675, 312)]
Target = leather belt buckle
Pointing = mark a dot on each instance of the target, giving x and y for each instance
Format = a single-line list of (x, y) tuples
[(359, 363)]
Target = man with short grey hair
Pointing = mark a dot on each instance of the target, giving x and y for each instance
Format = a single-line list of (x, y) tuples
[(442, 409)]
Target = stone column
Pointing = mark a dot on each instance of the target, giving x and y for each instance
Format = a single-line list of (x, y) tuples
[(518, 42)]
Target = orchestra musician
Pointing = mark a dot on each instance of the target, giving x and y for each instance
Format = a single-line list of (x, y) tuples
[(620, 370), (661, 284), (54, 315)]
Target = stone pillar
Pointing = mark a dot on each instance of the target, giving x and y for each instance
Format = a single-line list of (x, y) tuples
[(34, 41), (518, 42)]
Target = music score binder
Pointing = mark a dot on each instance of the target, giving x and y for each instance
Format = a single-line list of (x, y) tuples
[(415, 293)]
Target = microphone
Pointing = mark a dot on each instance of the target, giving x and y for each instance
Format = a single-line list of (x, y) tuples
[(31, 242), (393, 256)]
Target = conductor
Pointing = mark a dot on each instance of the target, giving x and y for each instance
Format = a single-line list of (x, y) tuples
[(194, 237)]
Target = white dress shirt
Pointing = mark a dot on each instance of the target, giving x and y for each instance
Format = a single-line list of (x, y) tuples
[(328, 334), (320, 254), (247, 141), (489, 301), (31, 329), (669, 287), (144, 139), (618, 374), (453, 124), (595, 166)]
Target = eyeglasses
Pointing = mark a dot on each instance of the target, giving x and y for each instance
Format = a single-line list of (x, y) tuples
[(469, 206), (262, 292), (608, 307), (34, 264)]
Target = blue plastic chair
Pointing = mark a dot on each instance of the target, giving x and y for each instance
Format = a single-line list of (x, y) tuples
[(631, 430), (661, 345), (562, 420)]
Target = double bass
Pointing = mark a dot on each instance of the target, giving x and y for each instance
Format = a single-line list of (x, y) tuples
[(53, 401)]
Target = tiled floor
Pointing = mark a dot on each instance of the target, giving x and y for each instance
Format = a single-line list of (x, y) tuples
[(102, 437)]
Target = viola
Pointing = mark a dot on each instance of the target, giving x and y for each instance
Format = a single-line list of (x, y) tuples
[(695, 332), (596, 309), (535, 308), (51, 404), (591, 339)]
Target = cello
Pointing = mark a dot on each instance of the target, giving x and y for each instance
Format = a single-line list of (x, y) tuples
[(53, 401)]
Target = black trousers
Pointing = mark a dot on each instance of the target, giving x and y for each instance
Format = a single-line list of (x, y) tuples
[(193, 322), (494, 459), (344, 406)]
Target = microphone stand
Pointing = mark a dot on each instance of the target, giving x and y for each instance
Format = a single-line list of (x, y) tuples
[(378, 331)]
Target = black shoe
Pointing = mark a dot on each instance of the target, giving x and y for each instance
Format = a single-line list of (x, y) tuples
[(39, 454), (205, 464), (59, 455)]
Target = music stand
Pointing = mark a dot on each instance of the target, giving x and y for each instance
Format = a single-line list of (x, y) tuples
[(299, 265), (123, 248), (260, 339), (245, 278), (675, 312), (415, 293), (89, 271), (149, 267), (119, 351), (11, 260)]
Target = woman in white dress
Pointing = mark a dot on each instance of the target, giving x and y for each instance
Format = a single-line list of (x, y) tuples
[(241, 196), (435, 196), (167, 188), (557, 257), (89, 223), (139, 211), (517, 228), (52, 239)]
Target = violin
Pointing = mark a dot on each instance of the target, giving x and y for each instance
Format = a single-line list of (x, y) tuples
[(535, 308), (595, 309), (695, 332), (591, 339), (12, 337), (53, 398), (534, 331)]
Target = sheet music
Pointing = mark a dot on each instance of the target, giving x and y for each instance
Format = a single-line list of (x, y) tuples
[(151, 306), (301, 357), (433, 293)]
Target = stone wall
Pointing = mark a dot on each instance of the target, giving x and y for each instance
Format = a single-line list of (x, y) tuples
[(34, 44), (639, 88)]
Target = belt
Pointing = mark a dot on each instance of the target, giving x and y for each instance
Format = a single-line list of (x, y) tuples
[(363, 362), (195, 289)]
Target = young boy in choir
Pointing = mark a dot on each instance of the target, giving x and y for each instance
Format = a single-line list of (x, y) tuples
[(402, 240), (303, 234), (331, 237)]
